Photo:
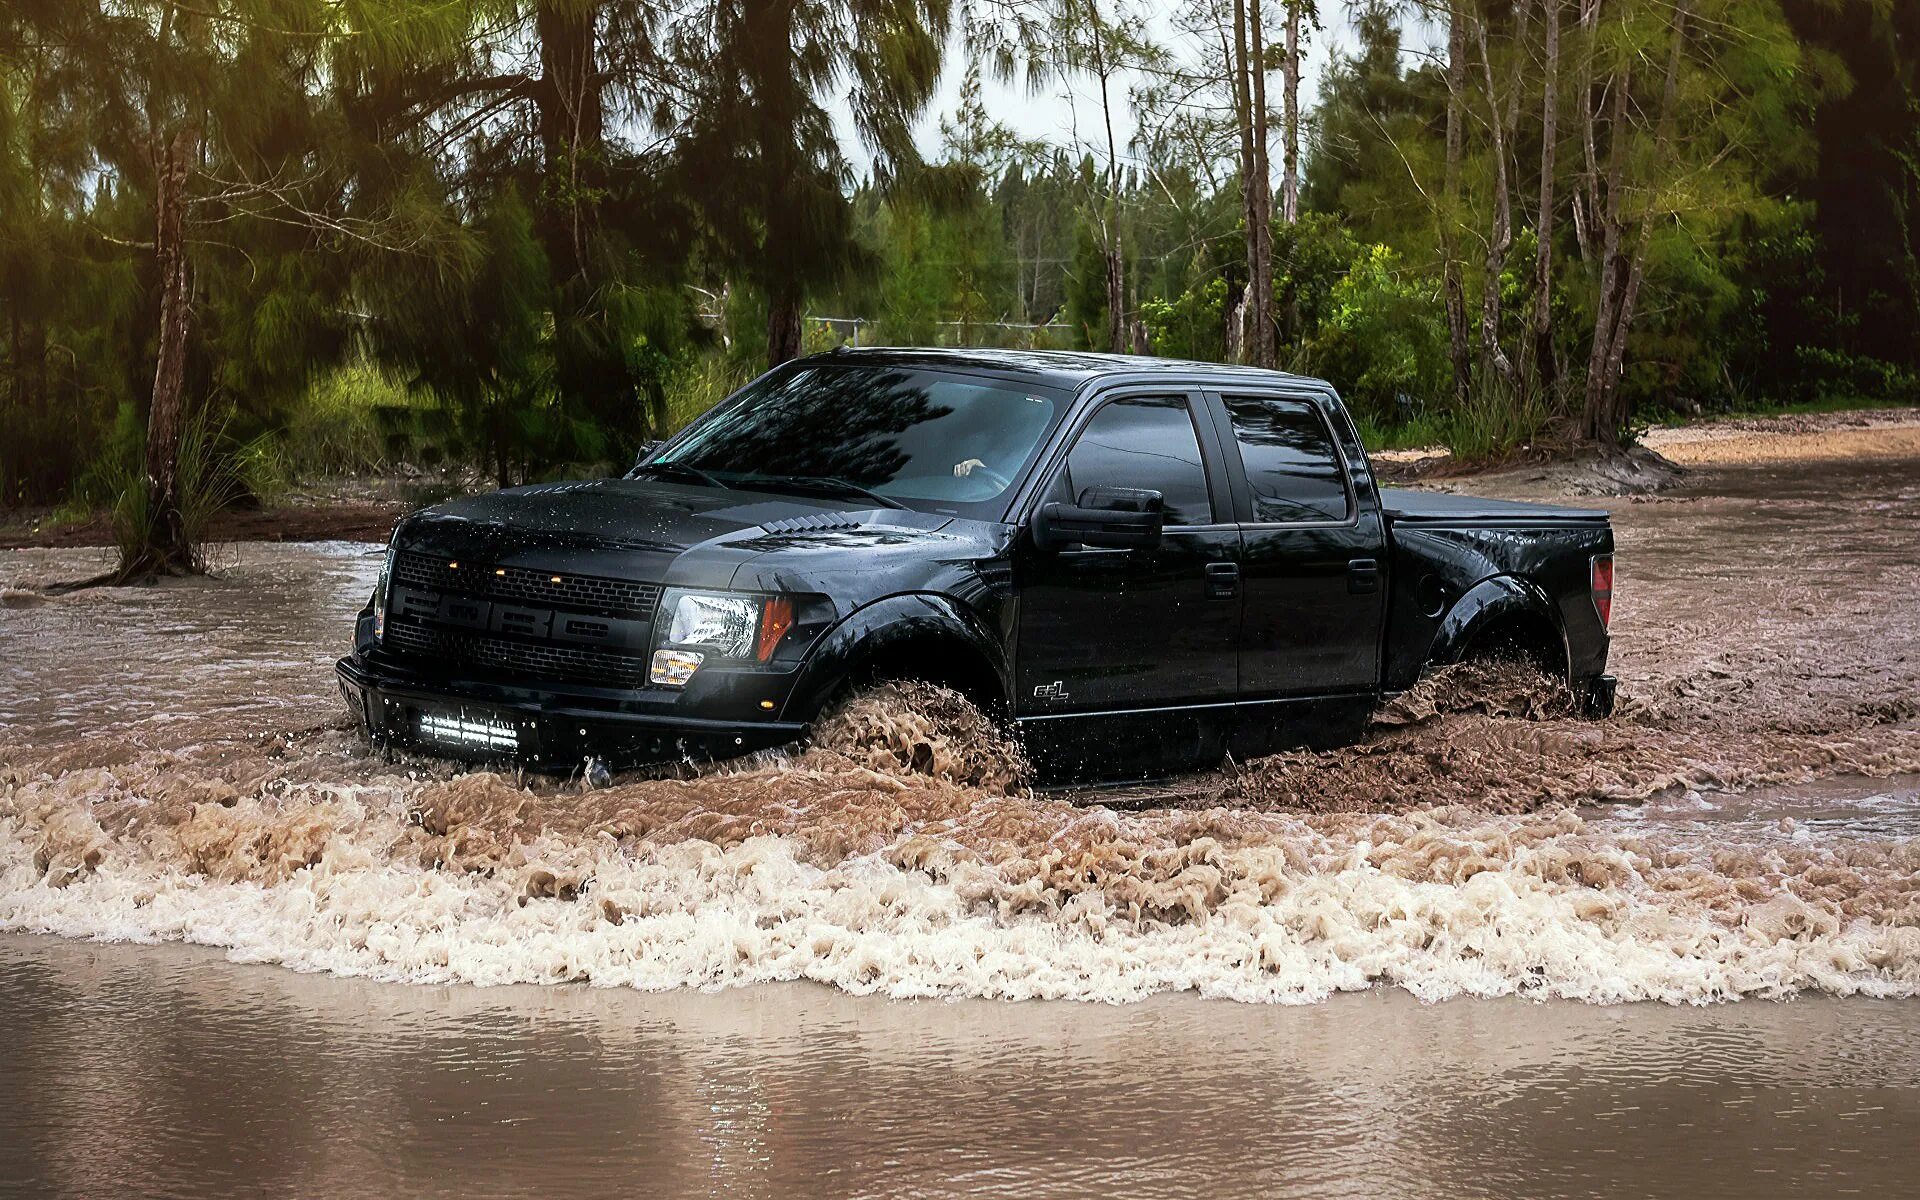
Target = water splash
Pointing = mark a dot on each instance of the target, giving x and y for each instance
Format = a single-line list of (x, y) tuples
[(912, 884)]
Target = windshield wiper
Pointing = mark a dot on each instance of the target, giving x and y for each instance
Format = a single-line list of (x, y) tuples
[(825, 483), (680, 469)]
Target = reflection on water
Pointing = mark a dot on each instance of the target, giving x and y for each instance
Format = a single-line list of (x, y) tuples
[(168, 1071)]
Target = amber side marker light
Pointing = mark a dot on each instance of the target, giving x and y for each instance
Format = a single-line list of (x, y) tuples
[(1603, 589), (776, 617)]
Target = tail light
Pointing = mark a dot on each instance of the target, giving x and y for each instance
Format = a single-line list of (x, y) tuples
[(1603, 589)]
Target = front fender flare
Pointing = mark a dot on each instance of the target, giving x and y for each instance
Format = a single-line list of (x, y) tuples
[(889, 624)]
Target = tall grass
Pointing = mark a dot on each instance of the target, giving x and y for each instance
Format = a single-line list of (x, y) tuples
[(1494, 421), (1424, 431), (1491, 425), (207, 478)]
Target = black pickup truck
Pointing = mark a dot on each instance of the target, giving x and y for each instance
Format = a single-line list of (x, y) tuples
[(1143, 565)]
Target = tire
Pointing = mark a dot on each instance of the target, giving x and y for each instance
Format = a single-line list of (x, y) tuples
[(908, 727)]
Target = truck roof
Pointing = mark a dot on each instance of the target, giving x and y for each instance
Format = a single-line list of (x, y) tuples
[(1062, 368)]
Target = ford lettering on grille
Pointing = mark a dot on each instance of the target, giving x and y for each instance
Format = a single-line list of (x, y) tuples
[(520, 621)]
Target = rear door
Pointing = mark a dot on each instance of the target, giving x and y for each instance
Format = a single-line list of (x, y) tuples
[(1111, 640), (1313, 548)]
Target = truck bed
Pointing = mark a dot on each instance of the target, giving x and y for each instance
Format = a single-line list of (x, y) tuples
[(1406, 506)]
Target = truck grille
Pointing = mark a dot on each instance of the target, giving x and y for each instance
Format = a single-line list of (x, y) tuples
[(576, 593), (507, 656), (520, 622)]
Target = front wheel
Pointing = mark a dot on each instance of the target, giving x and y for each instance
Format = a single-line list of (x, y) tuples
[(911, 727)]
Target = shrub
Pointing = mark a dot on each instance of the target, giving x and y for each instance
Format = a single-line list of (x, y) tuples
[(1382, 343), (1191, 325)]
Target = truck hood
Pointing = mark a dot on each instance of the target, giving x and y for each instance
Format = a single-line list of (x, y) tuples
[(654, 531), (629, 513)]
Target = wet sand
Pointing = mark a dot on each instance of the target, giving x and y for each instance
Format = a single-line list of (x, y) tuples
[(1747, 826), (1799, 438)]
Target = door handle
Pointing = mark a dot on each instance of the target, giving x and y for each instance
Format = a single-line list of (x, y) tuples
[(1363, 576), (1223, 580)]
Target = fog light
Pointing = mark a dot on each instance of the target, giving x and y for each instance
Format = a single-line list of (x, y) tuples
[(674, 667)]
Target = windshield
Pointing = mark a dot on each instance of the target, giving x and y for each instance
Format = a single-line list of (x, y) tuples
[(927, 439)]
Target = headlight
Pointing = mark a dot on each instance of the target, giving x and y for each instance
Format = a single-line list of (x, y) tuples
[(380, 592), (724, 624)]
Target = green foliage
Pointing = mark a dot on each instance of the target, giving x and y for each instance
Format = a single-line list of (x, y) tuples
[(1311, 260), (1835, 378), (699, 383), (358, 418), (1086, 286), (1381, 341), (1191, 325), (422, 232)]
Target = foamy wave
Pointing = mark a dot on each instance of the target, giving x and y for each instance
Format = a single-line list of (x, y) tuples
[(1112, 907)]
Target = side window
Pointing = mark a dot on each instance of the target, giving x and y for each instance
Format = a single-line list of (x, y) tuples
[(1291, 465), (1144, 442)]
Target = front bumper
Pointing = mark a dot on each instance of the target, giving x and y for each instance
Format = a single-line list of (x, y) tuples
[(549, 731)]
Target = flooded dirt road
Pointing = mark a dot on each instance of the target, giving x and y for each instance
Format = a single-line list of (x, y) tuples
[(174, 770)]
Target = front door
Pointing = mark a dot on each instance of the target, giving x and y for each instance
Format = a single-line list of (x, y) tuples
[(1128, 659)]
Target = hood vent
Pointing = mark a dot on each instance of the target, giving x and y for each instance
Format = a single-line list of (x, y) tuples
[(813, 523)]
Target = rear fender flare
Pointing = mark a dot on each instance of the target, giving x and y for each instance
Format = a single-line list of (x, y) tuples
[(913, 623), (1487, 604)]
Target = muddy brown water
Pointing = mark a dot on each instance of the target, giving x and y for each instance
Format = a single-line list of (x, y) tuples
[(1452, 917), (168, 1071)]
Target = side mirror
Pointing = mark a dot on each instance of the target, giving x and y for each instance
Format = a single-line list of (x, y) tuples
[(1107, 517)]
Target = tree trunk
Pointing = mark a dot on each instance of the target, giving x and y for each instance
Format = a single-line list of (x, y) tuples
[(1235, 319), (1260, 345), (589, 370), (167, 546), (1587, 214), (783, 328), (1238, 309), (1607, 412), (1290, 152), (1113, 243), (1545, 368), (1493, 357), (1607, 212), (572, 132), (1116, 289), (1455, 285)]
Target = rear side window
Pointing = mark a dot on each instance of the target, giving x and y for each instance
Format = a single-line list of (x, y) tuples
[(1144, 442), (1291, 465)]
